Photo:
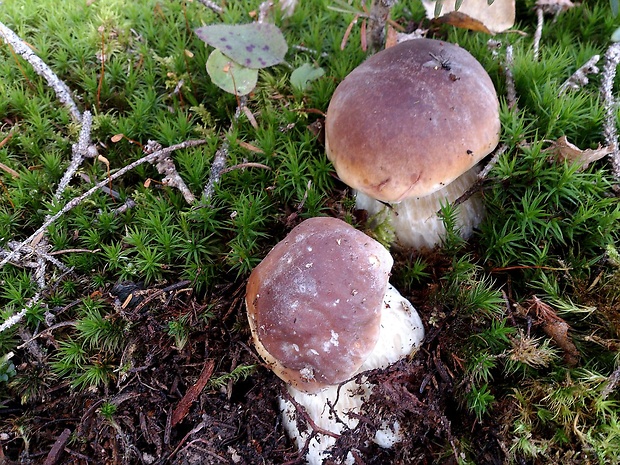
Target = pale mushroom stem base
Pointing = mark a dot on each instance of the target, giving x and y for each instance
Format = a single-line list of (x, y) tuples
[(416, 222), (400, 335)]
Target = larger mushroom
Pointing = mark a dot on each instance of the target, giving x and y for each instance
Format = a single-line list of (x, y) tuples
[(321, 311), (407, 127)]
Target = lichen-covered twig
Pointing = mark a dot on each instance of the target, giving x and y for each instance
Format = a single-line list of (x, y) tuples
[(14, 319), (580, 78), (62, 91), (379, 14), (221, 156), (150, 158), (22, 260), (554, 7), (80, 150), (511, 90), (165, 166), (213, 6), (538, 33), (610, 131)]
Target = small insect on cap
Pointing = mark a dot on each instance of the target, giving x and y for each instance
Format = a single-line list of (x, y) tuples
[(314, 303), (411, 119)]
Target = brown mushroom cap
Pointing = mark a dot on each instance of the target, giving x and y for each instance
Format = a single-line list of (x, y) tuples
[(411, 119), (314, 303)]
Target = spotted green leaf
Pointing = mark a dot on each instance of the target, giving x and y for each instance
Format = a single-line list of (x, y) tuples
[(254, 45), (230, 75)]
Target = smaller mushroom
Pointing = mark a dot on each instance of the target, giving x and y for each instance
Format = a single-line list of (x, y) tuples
[(407, 127), (321, 311)]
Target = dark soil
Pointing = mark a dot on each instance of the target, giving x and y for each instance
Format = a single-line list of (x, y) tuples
[(166, 415)]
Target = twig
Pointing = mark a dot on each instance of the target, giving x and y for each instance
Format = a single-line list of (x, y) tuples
[(14, 174), (150, 158), (62, 90), (34, 251), (165, 166), (379, 13), (538, 33), (82, 149), (213, 6), (610, 132), (612, 383), (492, 162), (55, 454), (219, 161), (482, 175), (14, 319), (511, 91), (263, 10), (580, 77), (245, 165)]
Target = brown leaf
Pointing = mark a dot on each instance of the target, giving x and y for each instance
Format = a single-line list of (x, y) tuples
[(565, 151), (192, 393), (554, 327), (558, 331), (391, 37), (459, 19), (250, 147), (477, 15)]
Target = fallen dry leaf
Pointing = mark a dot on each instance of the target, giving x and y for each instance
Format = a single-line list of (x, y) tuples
[(463, 21), (250, 147), (566, 151), (477, 15), (391, 37), (554, 327)]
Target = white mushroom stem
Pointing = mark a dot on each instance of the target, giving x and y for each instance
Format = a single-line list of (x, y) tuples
[(415, 220), (400, 335)]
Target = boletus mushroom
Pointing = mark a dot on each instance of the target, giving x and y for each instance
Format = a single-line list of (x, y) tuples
[(321, 311), (407, 127)]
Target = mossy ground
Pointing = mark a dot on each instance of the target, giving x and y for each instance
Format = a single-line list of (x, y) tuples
[(492, 382)]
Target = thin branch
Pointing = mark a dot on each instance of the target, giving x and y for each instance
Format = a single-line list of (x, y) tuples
[(492, 162), (150, 158), (263, 10), (538, 33), (610, 131), (62, 90), (165, 166), (580, 78), (213, 6), (14, 319), (219, 162), (82, 149), (511, 89), (379, 14), (34, 251)]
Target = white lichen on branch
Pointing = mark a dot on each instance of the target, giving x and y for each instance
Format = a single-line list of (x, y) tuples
[(610, 131), (62, 90), (14, 319), (165, 166), (221, 156), (150, 158), (580, 78), (80, 150)]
